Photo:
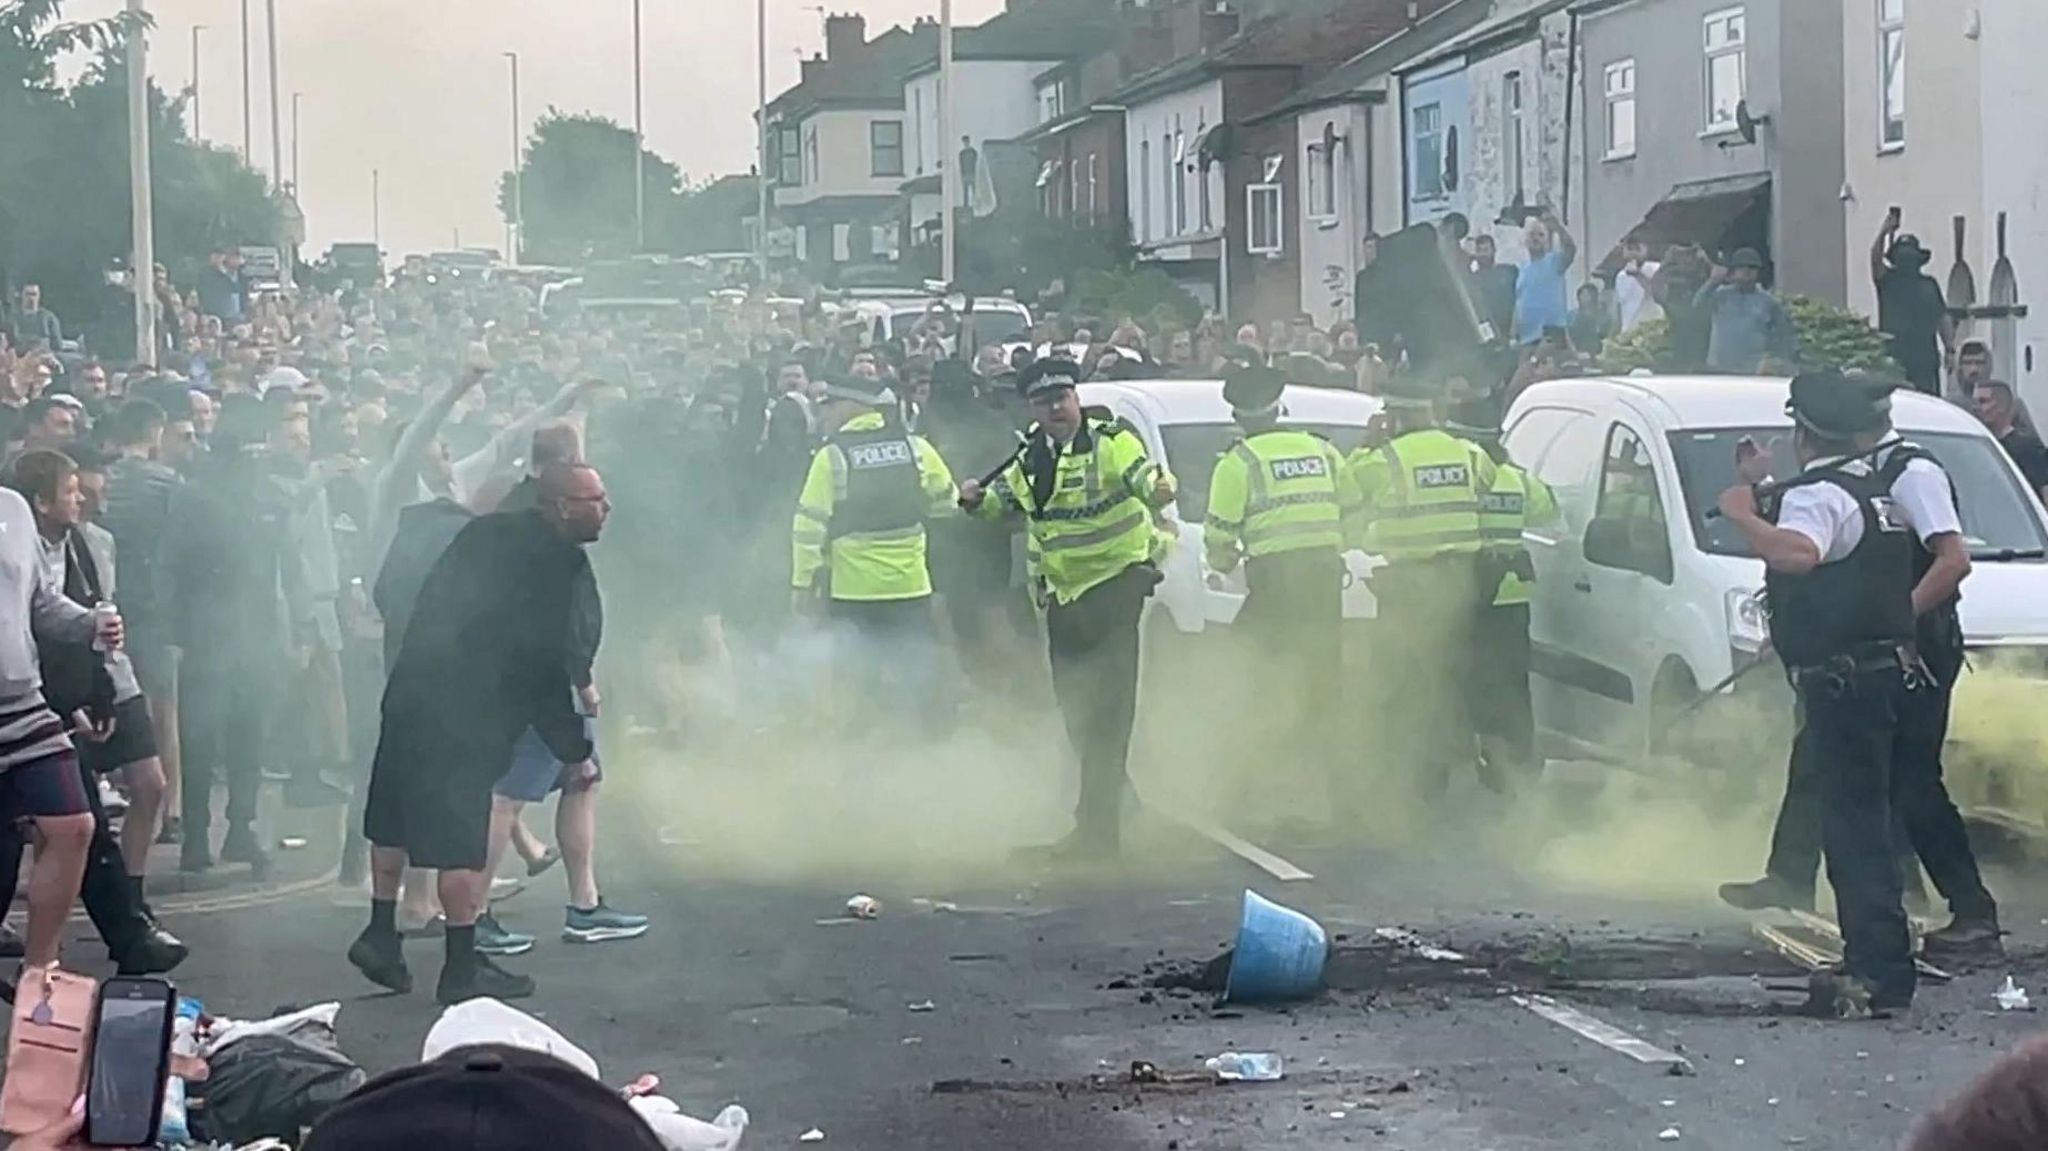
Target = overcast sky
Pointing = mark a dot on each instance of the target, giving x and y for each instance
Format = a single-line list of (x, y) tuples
[(419, 90)]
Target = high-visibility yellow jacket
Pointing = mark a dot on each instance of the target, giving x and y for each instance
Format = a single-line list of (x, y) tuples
[(1420, 493), (1278, 490), (1517, 500), (865, 501), (1097, 519)]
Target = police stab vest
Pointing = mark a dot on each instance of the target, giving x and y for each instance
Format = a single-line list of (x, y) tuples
[(1854, 604), (884, 491), (1940, 626)]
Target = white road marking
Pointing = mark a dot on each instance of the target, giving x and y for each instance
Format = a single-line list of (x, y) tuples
[(1605, 1034), (1244, 849)]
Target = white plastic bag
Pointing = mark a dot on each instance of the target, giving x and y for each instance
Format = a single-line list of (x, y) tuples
[(489, 1021), (679, 1132), (226, 1031)]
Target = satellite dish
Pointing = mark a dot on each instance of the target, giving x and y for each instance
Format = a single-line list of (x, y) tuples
[(1746, 122)]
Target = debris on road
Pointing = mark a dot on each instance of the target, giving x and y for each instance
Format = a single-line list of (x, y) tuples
[(1417, 944), (812, 1136), (1279, 954), (1668, 1135), (1143, 1072), (292, 843), (680, 1132), (2012, 997), (921, 1008), (1255, 1067), (864, 907)]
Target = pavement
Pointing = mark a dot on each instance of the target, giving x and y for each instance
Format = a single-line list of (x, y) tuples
[(1000, 1002)]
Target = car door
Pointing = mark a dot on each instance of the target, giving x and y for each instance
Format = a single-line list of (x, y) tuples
[(1626, 581), (1561, 448)]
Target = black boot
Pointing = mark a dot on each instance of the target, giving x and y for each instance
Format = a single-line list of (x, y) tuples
[(1966, 939), (155, 953), (381, 960), (483, 980), (241, 847)]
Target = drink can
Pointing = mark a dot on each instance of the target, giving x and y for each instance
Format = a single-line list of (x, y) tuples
[(101, 613)]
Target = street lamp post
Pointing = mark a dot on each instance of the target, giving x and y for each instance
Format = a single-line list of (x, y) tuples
[(949, 167), (248, 103), (761, 125), (296, 96), (516, 233), (276, 112), (196, 30), (376, 209), (639, 145), (143, 257)]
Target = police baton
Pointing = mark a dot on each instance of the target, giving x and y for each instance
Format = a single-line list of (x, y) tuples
[(1671, 724), (996, 472)]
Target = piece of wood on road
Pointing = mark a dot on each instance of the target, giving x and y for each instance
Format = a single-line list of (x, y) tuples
[(1244, 849)]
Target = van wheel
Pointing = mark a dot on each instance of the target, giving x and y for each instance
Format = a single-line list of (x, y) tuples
[(1674, 691)]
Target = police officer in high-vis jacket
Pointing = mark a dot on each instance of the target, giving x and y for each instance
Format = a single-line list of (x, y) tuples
[(1087, 493), (1420, 488), (1839, 576), (1502, 711), (1278, 499), (859, 545)]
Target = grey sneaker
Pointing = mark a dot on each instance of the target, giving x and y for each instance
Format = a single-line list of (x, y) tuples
[(602, 924), (493, 939)]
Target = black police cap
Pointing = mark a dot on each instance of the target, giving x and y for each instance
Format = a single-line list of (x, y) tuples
[(1838, 405), (1047, 374)]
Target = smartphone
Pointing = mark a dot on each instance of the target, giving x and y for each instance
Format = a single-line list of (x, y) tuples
[(131, 1056)]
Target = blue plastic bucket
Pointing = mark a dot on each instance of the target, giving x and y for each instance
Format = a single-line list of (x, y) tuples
[(1279, 954)]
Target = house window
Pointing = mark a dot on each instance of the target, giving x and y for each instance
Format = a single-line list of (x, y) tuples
[(1091, 186), (1052, 102), (917, 127), (789, 156), (1621, 109), (1891, 55), (1511, 131), (1166, 167), (1322, 182), (1073, 188), (1727, 67), (885, 148), (1180, 183), (1264, 210), (1426, 128), (1144, 189), (811, 156)]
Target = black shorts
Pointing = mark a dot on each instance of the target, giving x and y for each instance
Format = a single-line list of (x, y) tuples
[(133, 741), (432, 798)]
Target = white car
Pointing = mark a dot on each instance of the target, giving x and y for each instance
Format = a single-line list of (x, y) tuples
[(1641, 601), (1186, 424)]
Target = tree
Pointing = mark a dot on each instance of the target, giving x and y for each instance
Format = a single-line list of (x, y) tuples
[(64, 200), (711, 217), (576, 191), (1830, 338)]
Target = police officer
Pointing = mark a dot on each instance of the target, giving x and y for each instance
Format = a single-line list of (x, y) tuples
[(1087, 492), (1500, 678), (1420, 489), (859, 543), (1933, 829), (1838, 578), (1278, 500)]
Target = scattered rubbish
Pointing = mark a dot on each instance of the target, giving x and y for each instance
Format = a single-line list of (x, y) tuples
[(273, 1078), (912, 1040), (1417, 944), (1143, 1072), (2012, 997), (864, 907), (941, 905), (1279, 954), (1254, 1067), (1668, 1135), (1336, 1115), (292, 843), (812, 1136), (1742, 1062), (645, 1085), (1670, 1102), (921, 1008), (1771, 1102)]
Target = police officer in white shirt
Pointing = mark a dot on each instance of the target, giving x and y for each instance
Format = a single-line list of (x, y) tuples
[(1839, 580), (1925, 500)]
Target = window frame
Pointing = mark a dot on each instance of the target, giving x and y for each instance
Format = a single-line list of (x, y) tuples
[(1180, 181), (1319, 172), (1891, 27), (1616, 97), (1253, 193), (1144, 191), (1735, 45), (877, 149), (1514, 101), (1438, 134), (1091, 185), (789, 156)]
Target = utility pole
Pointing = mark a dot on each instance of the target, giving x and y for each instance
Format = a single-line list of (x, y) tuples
[(276, 112), (515, 233), (295, 141), (949, 166), (143, 257), (248, 104), (377, 210), (196, 30), (761, 122), (639, 145)]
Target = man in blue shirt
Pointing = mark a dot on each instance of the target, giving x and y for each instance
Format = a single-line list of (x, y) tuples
[(1540, 297), (1749, 324)]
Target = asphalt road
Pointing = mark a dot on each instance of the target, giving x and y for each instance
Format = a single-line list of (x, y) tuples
[(749, 989)]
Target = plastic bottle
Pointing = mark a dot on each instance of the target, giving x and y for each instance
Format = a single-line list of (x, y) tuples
[(1253, 1067)]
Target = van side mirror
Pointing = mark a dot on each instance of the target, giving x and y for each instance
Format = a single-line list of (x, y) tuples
[(1630, 545)]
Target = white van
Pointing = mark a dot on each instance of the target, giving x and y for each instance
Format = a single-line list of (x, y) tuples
[(1186, 425), (1641, 601)]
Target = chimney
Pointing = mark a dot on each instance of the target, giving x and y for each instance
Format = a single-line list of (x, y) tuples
[(1218, 24), (810, 69), (844, 36)]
